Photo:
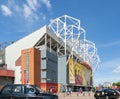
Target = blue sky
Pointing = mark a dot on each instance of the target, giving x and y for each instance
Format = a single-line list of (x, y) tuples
[(100, 19)]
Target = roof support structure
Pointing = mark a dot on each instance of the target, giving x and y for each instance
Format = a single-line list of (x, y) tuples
[(69, 30)]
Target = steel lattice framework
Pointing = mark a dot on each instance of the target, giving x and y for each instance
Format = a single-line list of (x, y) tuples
[(73, 35)]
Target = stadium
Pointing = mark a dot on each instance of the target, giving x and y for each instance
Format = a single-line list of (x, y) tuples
[(56, 56)]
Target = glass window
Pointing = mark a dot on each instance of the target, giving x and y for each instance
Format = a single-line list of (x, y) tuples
[(30, 90), (18, 89), (7, 90), (44, 69)]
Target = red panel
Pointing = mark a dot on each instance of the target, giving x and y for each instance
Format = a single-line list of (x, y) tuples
[(6, 73), (43, 86), (18, 62), (87, 65), (24, 77), (47, 86)]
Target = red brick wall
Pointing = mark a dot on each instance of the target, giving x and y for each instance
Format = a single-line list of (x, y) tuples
[(37, 67), (7, 73), (34, 65)]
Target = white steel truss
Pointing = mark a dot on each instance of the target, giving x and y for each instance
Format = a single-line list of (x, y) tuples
[(69, 30), (88, 52)]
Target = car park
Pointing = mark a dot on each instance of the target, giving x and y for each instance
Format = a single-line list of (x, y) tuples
[(106, 94), (24, 91)]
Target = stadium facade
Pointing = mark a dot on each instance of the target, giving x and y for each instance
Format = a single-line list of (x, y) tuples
[(54, 56)]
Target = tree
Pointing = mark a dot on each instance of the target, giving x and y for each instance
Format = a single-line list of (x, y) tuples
[(116, 84)]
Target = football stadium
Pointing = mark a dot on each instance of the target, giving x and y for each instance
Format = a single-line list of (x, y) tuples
[(55, 56)]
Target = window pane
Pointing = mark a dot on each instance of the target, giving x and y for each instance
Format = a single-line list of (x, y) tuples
[(7, 90), (18, 89)]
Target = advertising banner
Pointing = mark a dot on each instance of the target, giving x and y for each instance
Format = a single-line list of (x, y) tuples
[(71, 71), (78, 73)]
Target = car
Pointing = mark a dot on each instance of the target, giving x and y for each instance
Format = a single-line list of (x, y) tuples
[(118, 90), (24, 91), (106, 94)]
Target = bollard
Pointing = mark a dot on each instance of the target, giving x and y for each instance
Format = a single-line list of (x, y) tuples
[(106, 97), (83, 94), (77, 93), (64, 94), (88, 93)]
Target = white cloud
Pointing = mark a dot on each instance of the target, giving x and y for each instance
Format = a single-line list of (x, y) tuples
[(30, 10), (6, 11), (17, 9), (110, 44), (117, 70), (27, 11), (111, 63), (29, 14), (43, 16), (33, 4), (102, 79), (108, 71), (47, 3)]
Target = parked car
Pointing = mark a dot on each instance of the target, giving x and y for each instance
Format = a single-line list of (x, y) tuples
[(106, 94), (21, 91), (118, 90)]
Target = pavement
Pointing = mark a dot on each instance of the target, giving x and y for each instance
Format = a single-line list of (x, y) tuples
[(84, 95), (75, 95)]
